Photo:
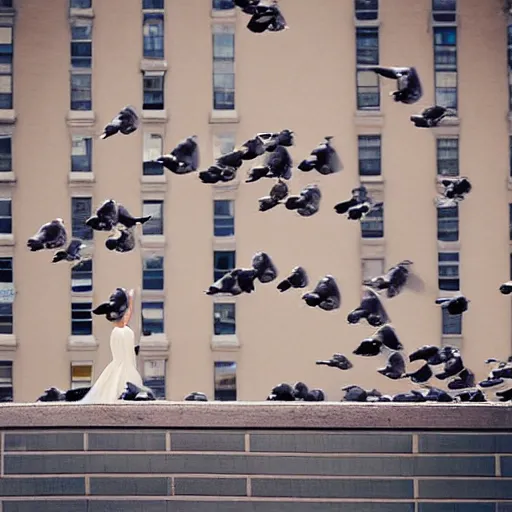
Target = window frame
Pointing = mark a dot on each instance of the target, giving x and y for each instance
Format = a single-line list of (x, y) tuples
[(78, 229), (85, 306), (440, 141), (7, 383), (149, 305), (443, 235), (367, 148), (444, 70), (76, 276), (224, 224), (153, 44), (6, 158), (157, 383), (224, 325), (80, 94), (154, 220), (373, 217), (447, 321), (229, 393), (7, 219), (362, 90), (452, 282), (158, 92), (81, 59), (76, 160), (148, 273), (80, 382), (219, 272), (223, 68)]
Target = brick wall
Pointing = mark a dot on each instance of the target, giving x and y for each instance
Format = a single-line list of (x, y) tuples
[(163, 458)]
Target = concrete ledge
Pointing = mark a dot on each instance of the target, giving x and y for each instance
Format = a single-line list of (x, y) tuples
[(257, 415)]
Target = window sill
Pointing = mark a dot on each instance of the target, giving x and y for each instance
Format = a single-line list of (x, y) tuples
[(224, 243), (7, 177), (367, 23), (375, 249), (228, 186), (369, 118), (449, 127), (224, 13), (81, 177), (7, 116), (6, 239), (225, 342), (157, 64), (81, 13), (378, 180), (82, 343), (152, 241), (455, 340), (155, 116), (8, 342), (224, 116), (448, 246), (153, 183), (154, 343), (81, 118)]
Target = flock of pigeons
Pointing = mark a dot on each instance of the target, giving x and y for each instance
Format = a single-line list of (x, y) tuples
[(277, 164)]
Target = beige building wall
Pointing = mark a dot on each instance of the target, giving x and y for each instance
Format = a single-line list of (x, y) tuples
[(303, 79)]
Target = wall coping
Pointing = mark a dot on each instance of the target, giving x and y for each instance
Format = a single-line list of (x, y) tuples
[(258, 415)]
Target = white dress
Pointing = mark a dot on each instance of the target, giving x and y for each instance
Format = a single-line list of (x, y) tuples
[(112, 382)]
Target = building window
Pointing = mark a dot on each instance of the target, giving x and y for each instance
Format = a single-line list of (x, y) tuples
[(155, 225), (367, 10), (222, 144), (510, 263), (6, 55), (81, 318), (367, 54), (153, 273), (153, 39), (222, 5), (225, 381), (80, 4), (81, 44), (153, 149), (224, 319), (372, 267), (6, 388), (452, 324), (369, 155), (445, 62), (81, 374), (5, 153), (7, 295), (372, 226), (223, 218), (81, 154), (6, 4), (448, 157), (81, 277), (81, 91), (152, 318), (509, 58), (152, 4), (5, 217), (223, 67), (448, 271), (444, 11), (448, 224), (154, 377), (223, 262), (153, 85), (81, 210)]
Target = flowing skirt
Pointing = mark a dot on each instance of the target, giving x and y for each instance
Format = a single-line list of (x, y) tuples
[(112, 382)]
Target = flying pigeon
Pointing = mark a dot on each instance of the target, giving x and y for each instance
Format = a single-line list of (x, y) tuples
[(51, 235), (116, 306), (395, 368), (284, 138), (265, 270), (395, 280), (413, 396), (454, 305), (307, 203), (326, 295), (226, 285), (126, 122), (266, 17), (437, 395), (506, 288), (297, 279), (455, 190), (252, 148), (277, 193), (72, 253), (324, 159), (359, 196), (465, 379), (368, 348), (420, 376), (217, 173), (125, 242), (184, 158), (105, 218), (337, 361), (431, 116), (233, 160), (371, 309), (409, 89), (452, 368), (388, 337)]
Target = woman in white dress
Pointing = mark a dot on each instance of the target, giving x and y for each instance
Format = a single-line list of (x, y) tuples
[(112, 382)]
